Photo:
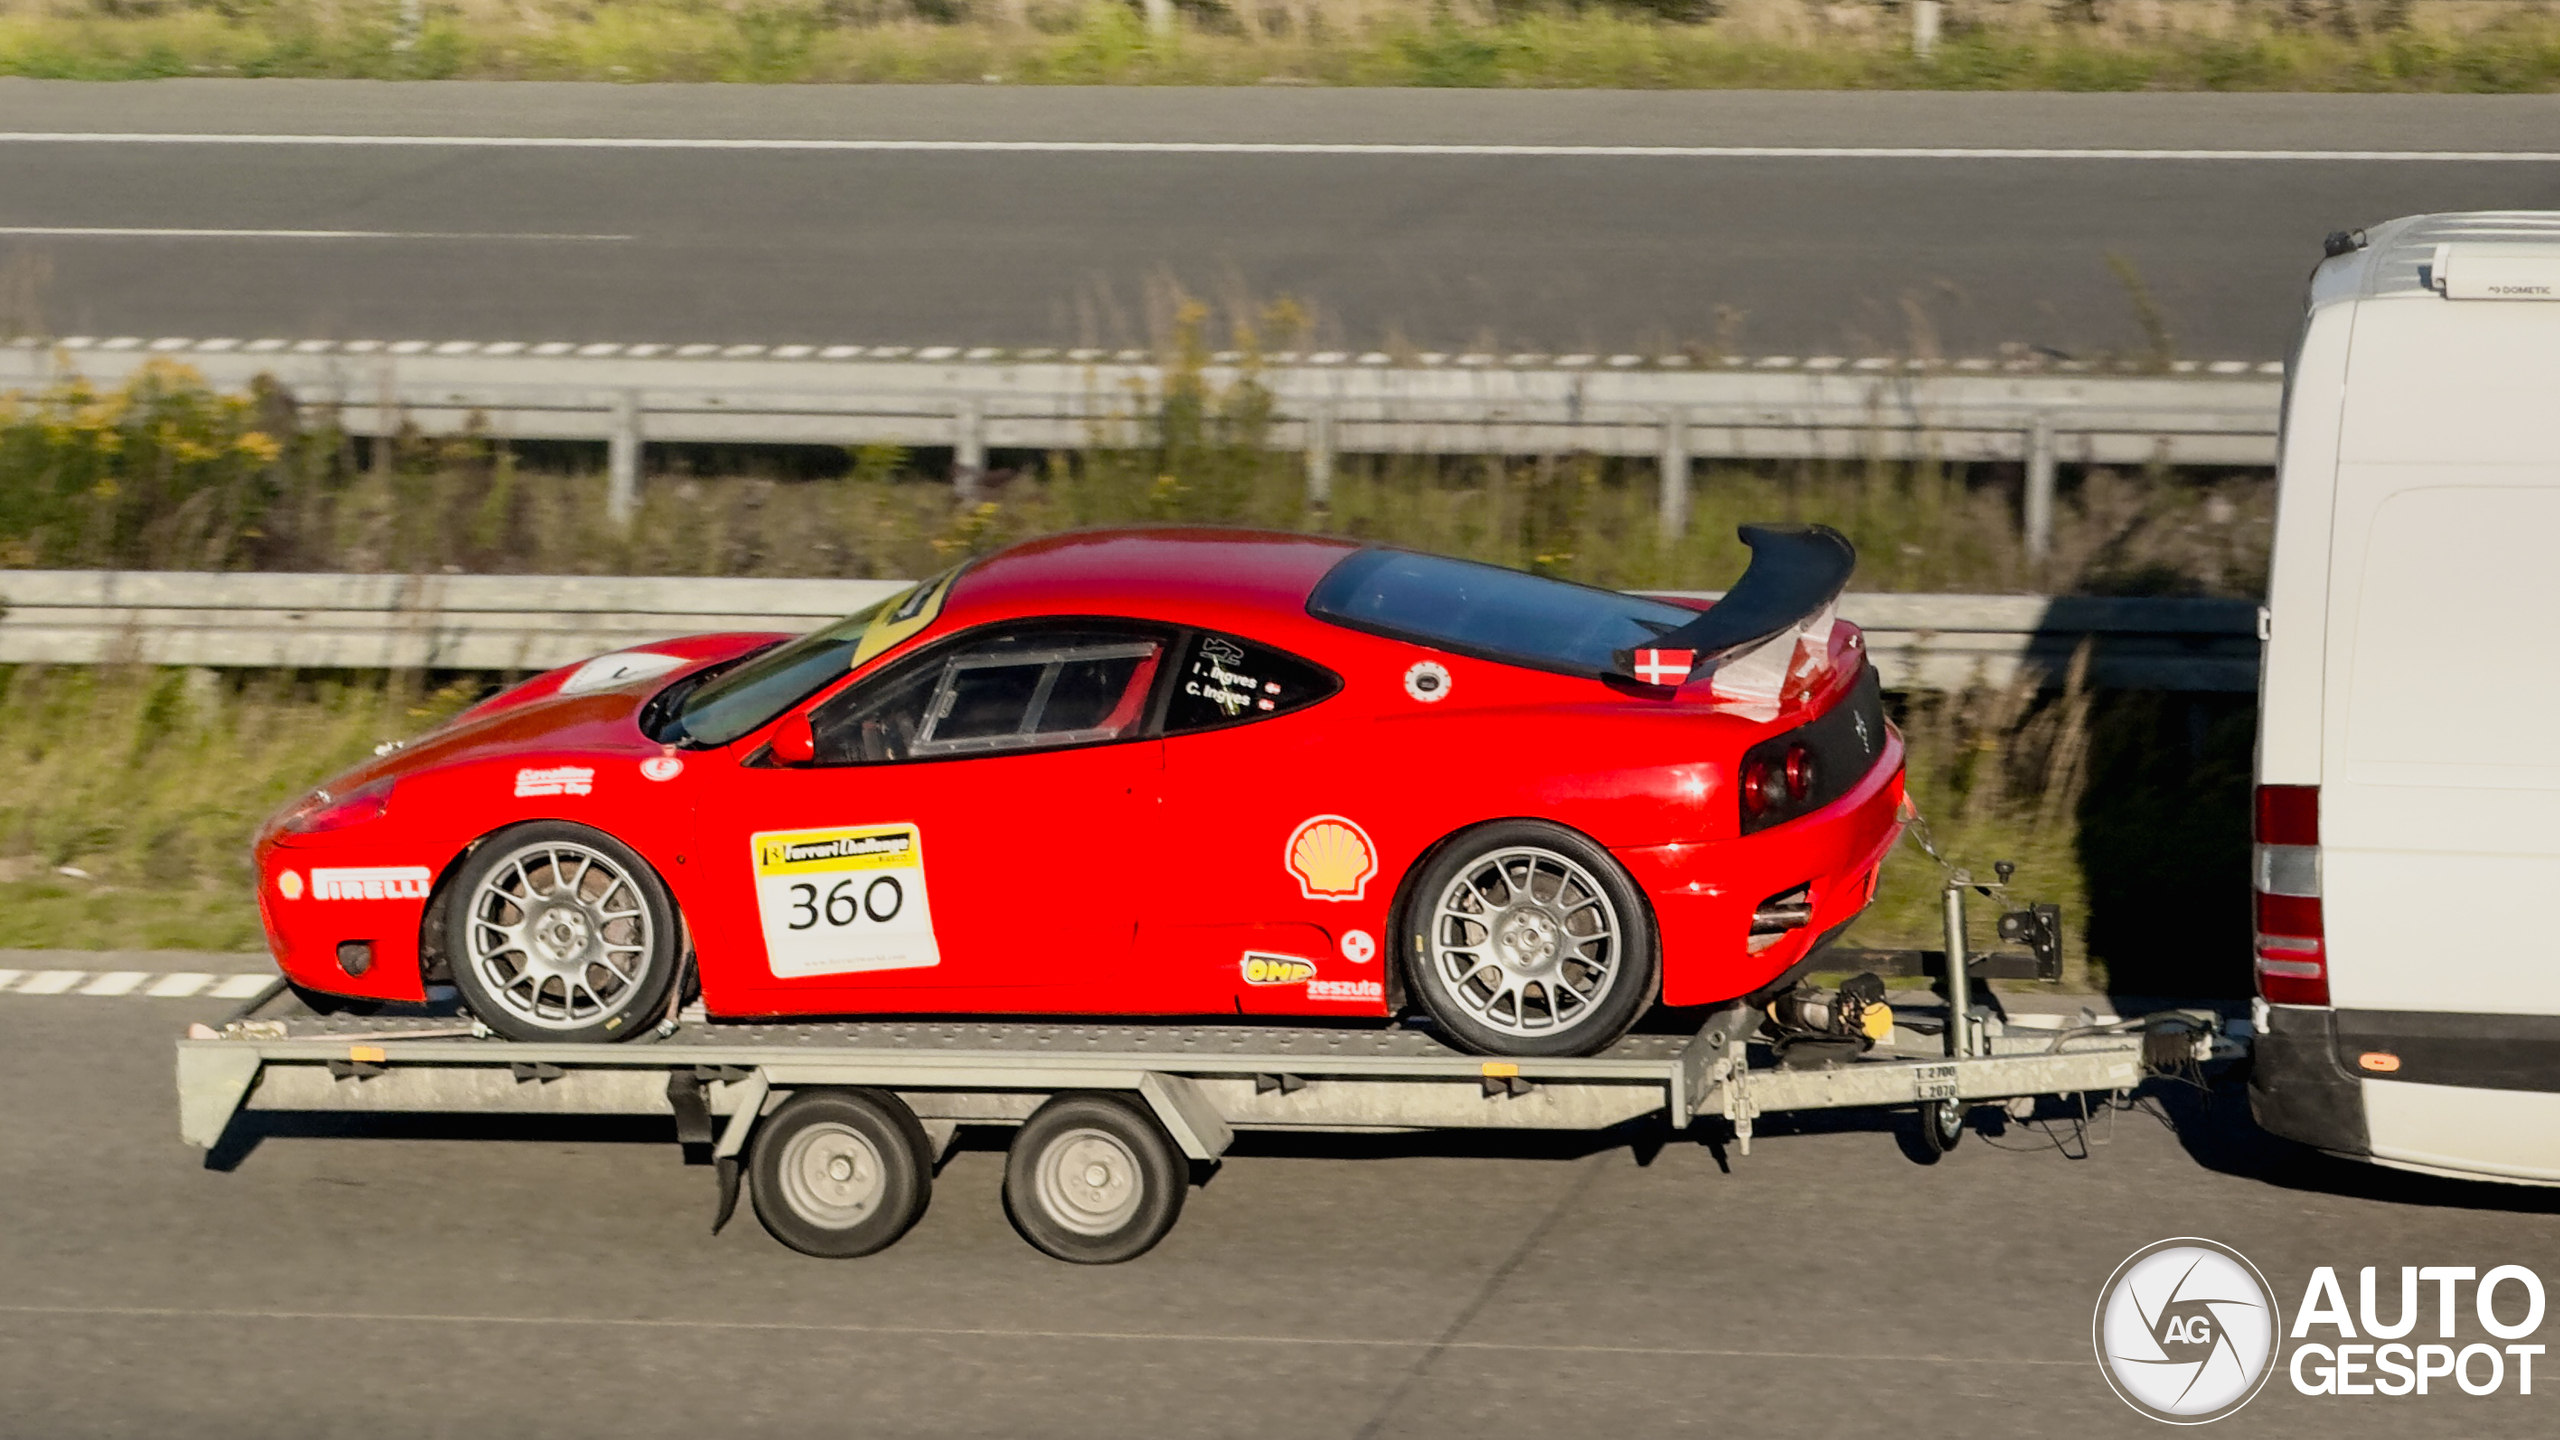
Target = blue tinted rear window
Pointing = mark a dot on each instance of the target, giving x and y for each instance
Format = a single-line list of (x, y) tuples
[(1489, 611)]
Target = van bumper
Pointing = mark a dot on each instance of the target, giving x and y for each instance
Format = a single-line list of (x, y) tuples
[(2298, 1090)]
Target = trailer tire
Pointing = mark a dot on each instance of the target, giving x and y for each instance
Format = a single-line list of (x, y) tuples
[(1498, 970), (1093, 1180), (1941, 1126), (840, 1173)]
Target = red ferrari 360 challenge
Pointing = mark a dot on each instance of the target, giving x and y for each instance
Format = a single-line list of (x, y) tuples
[(1139, 772)]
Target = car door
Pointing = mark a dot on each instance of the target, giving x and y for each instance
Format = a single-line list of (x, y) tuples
[(971, 833), (1246, 770)]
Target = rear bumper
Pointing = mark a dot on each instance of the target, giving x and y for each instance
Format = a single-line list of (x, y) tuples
[(1703, 894), (2297, 1088), (2459, 1094)]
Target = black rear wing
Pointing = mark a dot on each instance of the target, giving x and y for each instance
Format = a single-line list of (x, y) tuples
[(1796, 572)]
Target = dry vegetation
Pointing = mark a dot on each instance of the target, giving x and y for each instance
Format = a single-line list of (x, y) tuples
[(2491, 45)]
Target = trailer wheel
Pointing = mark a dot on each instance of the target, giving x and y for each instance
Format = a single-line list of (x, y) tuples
[(839, 1173), (1093, 1179), (1941, 1126)]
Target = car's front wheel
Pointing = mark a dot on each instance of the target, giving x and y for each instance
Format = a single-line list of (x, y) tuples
[(1524, 938), (561, 932)]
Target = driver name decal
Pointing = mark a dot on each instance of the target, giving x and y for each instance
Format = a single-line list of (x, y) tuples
[(843, 901)]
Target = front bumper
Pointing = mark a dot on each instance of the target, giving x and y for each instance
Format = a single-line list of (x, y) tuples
[(337, 894), (1703, 894)]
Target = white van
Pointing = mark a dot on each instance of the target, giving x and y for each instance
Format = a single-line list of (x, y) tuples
[(2408, 803)]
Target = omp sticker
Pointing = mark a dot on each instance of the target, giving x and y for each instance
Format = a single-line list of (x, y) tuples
[(557, 780), (1331, 857), (622, 668), (662, 767), (1351, 990), (378, 882), (1265, 969), (842, 901), (289, 885)]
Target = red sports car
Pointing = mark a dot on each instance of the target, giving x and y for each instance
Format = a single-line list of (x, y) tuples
[(1142, 772)]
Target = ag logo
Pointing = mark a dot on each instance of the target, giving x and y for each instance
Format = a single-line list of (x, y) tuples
[(2186, 1331)]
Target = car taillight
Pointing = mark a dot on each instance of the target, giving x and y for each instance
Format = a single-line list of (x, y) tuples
[(1755, 787), (2293, 959), (324, 811), (1799, 772)]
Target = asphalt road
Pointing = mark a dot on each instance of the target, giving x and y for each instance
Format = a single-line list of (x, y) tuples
[(423, 1279), (1798, 254)]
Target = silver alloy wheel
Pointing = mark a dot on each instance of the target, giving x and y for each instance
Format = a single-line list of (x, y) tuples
[(559, 934), (832, 1175), (1089, 1182), (1527, 941)]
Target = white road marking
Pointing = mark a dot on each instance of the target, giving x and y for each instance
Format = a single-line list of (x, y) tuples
[(118, 232), (1278, 147), (175, 985), (973, 1332)]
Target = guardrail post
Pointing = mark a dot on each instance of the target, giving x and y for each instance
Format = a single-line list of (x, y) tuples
[(622, 460), (1674, 475), (1319, 456), (2039, 497), (968, 451), (1924, 28)]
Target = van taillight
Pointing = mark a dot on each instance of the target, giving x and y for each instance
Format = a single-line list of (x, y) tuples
[(2293, 959)]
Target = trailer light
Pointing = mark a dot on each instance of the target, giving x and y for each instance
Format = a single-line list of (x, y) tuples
[(2292, 956)]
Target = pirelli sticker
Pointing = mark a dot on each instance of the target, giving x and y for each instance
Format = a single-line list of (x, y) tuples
[(843, 901)]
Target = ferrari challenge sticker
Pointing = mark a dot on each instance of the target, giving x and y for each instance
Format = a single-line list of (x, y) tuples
[(839, 902), (1331, 857)]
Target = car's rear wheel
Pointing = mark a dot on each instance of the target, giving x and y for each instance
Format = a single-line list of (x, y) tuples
[(1524, 938), (561, 932)]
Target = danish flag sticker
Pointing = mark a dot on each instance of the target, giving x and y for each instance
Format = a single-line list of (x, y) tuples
[(1664, 667)]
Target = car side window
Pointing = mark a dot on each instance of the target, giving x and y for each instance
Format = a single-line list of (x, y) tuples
[(1229, 680), (1005, 690)]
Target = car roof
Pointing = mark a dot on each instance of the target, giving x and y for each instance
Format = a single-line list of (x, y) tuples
[(1149, 569)]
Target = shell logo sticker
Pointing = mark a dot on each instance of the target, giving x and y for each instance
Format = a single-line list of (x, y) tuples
[(1332, 858), (289, 885), (1262, 969)]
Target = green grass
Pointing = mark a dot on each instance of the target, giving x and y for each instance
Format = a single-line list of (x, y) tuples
[(2354, 45)]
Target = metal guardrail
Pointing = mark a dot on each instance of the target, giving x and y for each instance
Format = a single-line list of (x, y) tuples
[(1323, 404), (524, 623)]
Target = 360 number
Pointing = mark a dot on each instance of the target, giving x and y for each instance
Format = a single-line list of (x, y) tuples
[(841, 907)]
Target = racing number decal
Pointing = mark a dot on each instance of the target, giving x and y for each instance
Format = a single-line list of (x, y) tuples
[(838, 902)]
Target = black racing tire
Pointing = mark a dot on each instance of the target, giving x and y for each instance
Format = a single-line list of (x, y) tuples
[(560, 933), (840, 1173), (1500, 971), (1094, 1180)]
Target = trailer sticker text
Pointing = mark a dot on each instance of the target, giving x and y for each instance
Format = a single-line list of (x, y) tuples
[(843, 901)]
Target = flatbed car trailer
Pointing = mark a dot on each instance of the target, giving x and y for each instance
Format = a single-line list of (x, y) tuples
[(837, 1127)]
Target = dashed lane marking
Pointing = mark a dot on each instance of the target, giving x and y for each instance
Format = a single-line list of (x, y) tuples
[(1388, 149), (137, 984), (118, 232)]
